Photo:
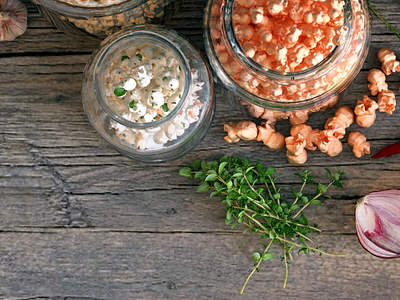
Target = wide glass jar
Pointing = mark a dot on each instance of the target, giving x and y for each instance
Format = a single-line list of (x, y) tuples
[(275, 94), (100, 18), (127, 77)]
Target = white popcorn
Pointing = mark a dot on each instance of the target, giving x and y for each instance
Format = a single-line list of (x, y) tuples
[(129, 84)]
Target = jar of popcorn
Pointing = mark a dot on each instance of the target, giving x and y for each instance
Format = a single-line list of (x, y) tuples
[(148, 92), (286, 58), (100, 18)]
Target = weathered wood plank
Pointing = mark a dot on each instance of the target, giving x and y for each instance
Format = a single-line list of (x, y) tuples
[(122, 265)]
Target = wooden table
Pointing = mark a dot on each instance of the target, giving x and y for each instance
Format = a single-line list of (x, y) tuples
[(80, 221)]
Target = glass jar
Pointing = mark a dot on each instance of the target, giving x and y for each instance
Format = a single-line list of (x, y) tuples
[(107, 18), (141, 140), (274, 95)]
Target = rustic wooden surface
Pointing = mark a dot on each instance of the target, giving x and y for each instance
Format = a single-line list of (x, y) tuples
[(80, 221)]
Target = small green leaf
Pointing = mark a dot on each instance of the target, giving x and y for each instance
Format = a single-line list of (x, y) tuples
[(294, 207), (228, 221), (213, 194), (246, 161), (210, 177), (321, 188), (165, 78), (246, 230), (198, 174), (203, 188), (303, 220), (270, 171), (229, 184), (186, 172), (132, 104), (196, 165), (330, 174), (139, 55), (263, 236), (234, 225), (267, 256), (304, 199), (221, 167), (237, 175), (224, 159), (120, 92), (256, 256), (300, 176), (301, 239), (229, 214), (327, 196), (315, 202), (125, 57), (338, 184)]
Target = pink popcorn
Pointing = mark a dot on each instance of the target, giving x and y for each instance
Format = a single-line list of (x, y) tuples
[(265, 34), (299, 52), (386, 101), (377, 81), (243, 19), (249, 49), (388, 60), (276, 7), (294, 35), (280, 54), (296, 13), (244, 31)]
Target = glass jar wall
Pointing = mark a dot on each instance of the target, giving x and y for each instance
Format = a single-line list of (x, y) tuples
[(280, 93), (100, 18), (131, 117)]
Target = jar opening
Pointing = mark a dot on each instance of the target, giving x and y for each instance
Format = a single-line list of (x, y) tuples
[(278, 77), (113, 53)]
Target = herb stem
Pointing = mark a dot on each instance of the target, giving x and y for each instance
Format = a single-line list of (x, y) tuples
[(310, 248), (308, 203), (256, 267), (301, 191), (286, 265)]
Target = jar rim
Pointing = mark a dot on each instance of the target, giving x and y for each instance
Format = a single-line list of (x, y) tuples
[(126, 37), (83, 12)]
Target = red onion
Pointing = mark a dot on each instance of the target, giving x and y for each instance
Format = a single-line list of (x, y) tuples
[(378, 223)]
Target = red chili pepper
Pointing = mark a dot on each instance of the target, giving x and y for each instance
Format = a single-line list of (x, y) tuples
[(388, 151)]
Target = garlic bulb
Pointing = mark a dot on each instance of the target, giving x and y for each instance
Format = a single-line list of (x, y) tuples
[(378, 223), (13, 19)]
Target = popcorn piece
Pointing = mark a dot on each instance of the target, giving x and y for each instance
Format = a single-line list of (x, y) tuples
[(343, 118), (276, 7), (365, 112), (245, 130), (299, 117), (377, 81), (294, 35), (296, 154), (388, 60), (328, 143), (359, 143), (311, 135), (280, 54), (270, 137), (386, 101)]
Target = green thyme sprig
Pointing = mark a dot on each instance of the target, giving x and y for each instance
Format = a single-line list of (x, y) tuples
[(263, 209), (378, 13)]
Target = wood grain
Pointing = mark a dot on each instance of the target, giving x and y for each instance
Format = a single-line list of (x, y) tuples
[(80, 221)]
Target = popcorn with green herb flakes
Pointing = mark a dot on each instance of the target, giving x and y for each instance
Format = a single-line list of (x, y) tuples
[(145, 85)]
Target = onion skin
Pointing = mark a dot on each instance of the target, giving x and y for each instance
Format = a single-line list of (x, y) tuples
[(378, 223), (13, 19)]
